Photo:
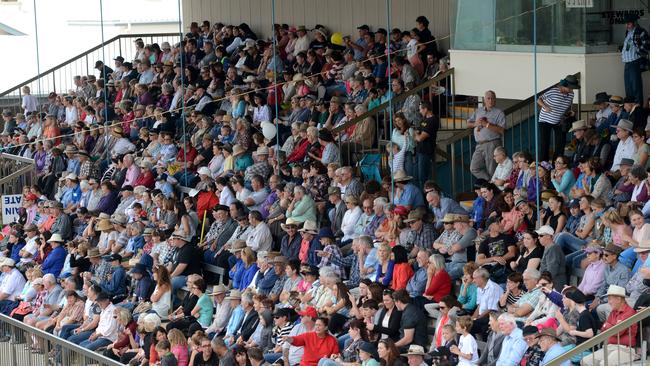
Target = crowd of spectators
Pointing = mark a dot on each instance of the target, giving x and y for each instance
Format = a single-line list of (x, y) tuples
[(210, 162)]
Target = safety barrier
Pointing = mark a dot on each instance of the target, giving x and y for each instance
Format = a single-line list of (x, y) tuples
[(590, 351), (23, 345), (60, 78), (15, 173)]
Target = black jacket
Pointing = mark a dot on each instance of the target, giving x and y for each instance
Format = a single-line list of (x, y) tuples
[(392, 330), (248, 325)]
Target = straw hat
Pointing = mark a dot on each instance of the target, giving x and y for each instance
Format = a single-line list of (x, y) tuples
[(103, 225), (400, 176), (237, 150)]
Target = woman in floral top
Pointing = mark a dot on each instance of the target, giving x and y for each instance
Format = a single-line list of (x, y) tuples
[(318, 182)]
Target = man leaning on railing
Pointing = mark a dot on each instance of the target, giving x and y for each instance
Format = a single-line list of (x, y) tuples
[(620, 347)]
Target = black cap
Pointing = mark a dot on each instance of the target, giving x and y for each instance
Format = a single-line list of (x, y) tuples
[(113, 257), (325, 135), (139, 268), (220, 208), (382, 31), (530, 330), (98, 64), (119, 58), (364, 27), (127, 188), (103, 296), (577, 296), (630, 99)]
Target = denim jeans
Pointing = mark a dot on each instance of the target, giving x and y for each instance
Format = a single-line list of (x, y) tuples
[(628, 257), (569, 242), (423, 167), (66, 330), (97, 343), (327, 362), (633, 80), (81, 337), (455, 270), (573, 260), (272, 357)]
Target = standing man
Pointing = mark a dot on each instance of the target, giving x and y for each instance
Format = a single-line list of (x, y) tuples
[(554, 104), (426, 134), (634, 54), (488, 123)]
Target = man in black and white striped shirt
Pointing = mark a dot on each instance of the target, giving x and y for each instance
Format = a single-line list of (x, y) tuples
[(554, 104)]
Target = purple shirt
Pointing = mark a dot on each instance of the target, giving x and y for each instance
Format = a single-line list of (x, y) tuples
[(593, 278)]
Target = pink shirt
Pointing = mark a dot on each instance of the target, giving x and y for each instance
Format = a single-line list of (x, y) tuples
[(593, 278), (132, 175), (180, 351)]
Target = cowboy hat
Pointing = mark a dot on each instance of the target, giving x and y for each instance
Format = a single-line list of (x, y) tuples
[(103, 225), (204, 171), (615, 99), (415, 350), (290, 221), (56, 238), (117, 130), (309, 227), (237, 246), (233, 295), (298, 77), (413, 216), (545, 230), (400, 176), (571, 82), (625, 125), (548, 332), (448, 219), (601, 97), (644, 246), (615, 290), (237, 150), (93, 253), (219, 289), (578, 125)]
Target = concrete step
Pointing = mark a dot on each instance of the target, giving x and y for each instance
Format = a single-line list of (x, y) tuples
[(453, 123)]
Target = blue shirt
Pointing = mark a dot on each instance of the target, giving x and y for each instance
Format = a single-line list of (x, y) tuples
[(53, 263), (15, 251), (236, 318), (236, 273), (73, 166), (71, 196), (117, 284), (553, 353), (512, 349), (411, 196), (416, 285), (371, 262)]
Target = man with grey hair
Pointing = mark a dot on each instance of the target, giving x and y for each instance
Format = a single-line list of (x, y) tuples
[(302, 206), (361, 261), (265, 277), (514, 346), (367, 215), (503, 167), (487, 298), (221, 349), (488, 123), (379, 205), (350, 186), (528, 301), (251, 318)]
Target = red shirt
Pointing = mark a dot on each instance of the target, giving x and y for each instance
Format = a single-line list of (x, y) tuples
[(402, 273), (627, 337), (315, 347), (146, 180), (440, 286)]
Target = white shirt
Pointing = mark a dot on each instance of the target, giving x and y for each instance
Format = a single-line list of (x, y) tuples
[(122, 146), (301, 45), (107, 327), (260, 238), (226, 197), (30, 103), (30, 247), (487, 298), (350, 218), (71, 115), (258, 197), (12, 284), (467, 344), (502, 171), (625, 149)]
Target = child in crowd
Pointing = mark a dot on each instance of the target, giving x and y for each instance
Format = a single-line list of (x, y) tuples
[(467, 349), (166, 356)]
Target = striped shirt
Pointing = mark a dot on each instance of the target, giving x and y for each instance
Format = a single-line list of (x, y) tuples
[(630, 51), (559, 104)]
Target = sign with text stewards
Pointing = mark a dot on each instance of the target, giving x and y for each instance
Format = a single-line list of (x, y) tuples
[(10, 206), (579, 3)]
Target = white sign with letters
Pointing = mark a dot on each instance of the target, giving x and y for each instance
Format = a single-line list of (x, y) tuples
[(579, 3), (11, 204)]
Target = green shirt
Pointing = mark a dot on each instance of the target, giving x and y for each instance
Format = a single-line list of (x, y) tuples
[(207, 309)]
